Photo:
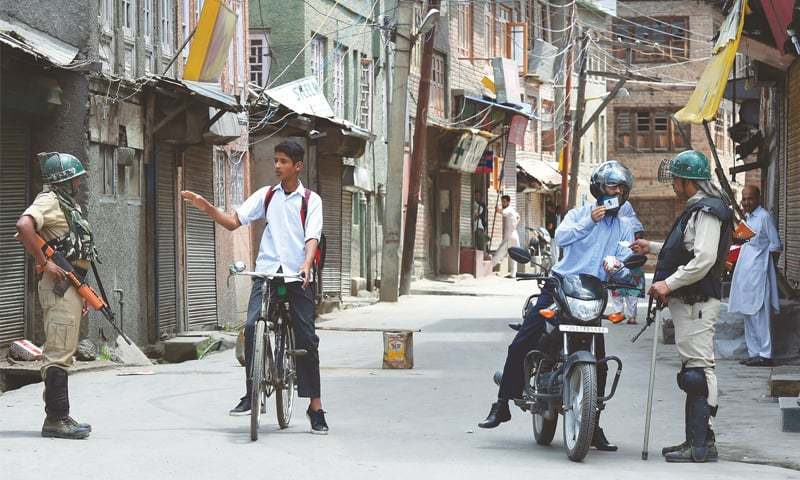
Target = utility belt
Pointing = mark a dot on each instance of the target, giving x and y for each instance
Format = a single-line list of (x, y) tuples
[(689, 298)]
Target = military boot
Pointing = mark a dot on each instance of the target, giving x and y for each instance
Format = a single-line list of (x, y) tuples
[(710, 439), (58, 423), (697, 448)]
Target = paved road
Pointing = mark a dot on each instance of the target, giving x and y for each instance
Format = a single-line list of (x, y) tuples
[(384, 424)]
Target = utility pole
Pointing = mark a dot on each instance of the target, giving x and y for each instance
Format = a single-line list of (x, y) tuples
[(393, 215), (417, 160), (577, 124), (563, 42)]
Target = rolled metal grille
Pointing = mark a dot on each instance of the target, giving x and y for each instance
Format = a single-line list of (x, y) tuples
[(664, 175)]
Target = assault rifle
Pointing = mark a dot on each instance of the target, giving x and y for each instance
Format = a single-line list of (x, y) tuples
[(96, 301)]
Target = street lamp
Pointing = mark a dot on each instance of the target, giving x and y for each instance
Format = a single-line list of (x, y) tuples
[(427, 24)]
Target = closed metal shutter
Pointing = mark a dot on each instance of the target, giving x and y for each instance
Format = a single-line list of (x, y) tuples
[(347, 238), (792, 219), (465, 214), (200, 248), (165, 235), (14, 160), (330, 179)]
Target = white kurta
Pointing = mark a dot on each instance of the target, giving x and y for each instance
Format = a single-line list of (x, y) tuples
[(754, 280)]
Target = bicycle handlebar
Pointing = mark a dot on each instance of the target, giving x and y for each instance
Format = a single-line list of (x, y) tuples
[(270, 275)]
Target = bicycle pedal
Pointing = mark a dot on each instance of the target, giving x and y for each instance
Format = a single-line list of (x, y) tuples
[(297, 353)]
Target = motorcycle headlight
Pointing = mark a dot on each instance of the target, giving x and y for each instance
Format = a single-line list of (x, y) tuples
[(585, 310)]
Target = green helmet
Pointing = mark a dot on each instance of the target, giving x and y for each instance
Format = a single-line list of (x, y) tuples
[(60, 167), (689, 164)]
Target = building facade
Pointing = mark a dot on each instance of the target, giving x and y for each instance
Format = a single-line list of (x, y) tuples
[(116, 101)]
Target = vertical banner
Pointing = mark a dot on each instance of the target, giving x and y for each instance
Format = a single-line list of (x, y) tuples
[(212, 39)]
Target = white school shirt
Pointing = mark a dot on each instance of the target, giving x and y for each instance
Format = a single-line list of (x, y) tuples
[(283, 242)]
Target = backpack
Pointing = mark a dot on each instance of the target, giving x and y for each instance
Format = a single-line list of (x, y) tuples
[(319, 257)]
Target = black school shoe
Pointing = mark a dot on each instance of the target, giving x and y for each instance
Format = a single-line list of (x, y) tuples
[(318, 424), (243, 408)]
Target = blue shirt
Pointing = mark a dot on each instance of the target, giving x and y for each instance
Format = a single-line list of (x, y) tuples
[(587, 243), (284, 239)]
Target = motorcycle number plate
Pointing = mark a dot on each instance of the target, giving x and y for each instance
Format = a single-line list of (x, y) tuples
[(581, 329)]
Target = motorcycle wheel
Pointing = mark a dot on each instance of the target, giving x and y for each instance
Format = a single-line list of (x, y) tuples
[(581, 415), (543, 429)]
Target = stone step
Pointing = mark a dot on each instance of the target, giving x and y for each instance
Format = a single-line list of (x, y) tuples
[(181, 349), (785, 381), (790, 414)]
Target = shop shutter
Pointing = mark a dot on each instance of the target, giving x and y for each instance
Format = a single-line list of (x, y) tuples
[(165, 235), (465, 215), (330, 179), (14, 165), (200, 247), (347, 234), (792, 189)]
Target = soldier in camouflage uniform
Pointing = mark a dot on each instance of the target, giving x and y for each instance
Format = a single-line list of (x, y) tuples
[(56, 216)]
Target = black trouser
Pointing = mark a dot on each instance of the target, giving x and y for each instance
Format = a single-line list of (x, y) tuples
[(528, 338), (301, 302)]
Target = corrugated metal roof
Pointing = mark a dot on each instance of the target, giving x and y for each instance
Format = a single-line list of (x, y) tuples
[(211, 94), (539, 169), (508, 108), (20, 36)]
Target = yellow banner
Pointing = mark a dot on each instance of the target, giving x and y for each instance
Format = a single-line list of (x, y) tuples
[(704, 101), (212, 39)]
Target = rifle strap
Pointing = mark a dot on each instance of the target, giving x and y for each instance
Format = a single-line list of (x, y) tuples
[(100, 284)]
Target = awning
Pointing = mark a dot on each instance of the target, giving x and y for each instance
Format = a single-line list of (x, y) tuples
[(544, 173), (779, 16), (210, 94), (507, 108), (704, 101), (20, 36)]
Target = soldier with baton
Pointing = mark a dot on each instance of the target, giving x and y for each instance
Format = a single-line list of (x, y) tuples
[(688, 279)]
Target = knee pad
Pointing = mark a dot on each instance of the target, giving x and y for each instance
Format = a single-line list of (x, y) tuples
[(693, 381)]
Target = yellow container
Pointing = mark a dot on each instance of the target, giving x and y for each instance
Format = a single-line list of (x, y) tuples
[(398, 349)]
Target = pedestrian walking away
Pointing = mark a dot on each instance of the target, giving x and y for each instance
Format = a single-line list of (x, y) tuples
[(510, 235), (587, 235), (754, 288), (288, 245), (56, 216), (688, 279)]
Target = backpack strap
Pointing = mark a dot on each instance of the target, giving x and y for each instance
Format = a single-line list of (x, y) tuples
[(304, 208), (268, 198)]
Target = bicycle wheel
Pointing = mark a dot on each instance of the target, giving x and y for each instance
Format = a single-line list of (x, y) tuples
[(284, 392), (257, 378)]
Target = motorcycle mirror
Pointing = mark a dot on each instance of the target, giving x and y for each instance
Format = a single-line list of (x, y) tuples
[(635, 261), (519, 255)]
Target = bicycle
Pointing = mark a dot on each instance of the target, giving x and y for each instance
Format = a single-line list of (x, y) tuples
[(273, 368)]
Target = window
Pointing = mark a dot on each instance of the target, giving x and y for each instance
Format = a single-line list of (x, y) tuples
[(647, 131), (167, 33), (318, 46), (465, 36), (663, 39), (416, 49), (338, 79), (519, 45), (437, 100), (107, 14), (147, 29), (260, 58), (547, 114), (109, 177), (365, 95), (128, 18), (488, 29), (502, 32), (237, 178), (220, 162)]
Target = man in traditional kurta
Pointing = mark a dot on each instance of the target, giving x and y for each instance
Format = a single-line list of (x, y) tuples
[(754, 290)]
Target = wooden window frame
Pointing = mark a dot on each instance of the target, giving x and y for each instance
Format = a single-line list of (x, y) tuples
[(674, 141), (466, 30), (437, 104), (672, 49), (513, 26)]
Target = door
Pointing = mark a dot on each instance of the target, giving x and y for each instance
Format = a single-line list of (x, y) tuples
[(200, 257), (165, 241), (330, 179), (15, 159), (447, 200)]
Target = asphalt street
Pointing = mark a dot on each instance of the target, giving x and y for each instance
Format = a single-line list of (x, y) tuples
[(419, 423)]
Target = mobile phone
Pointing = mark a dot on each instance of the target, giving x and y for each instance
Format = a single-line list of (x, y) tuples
[(611, 203)]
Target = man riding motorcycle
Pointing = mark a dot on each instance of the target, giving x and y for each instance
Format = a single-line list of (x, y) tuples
[(588, 235)]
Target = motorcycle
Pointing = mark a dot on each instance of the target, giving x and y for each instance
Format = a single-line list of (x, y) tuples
[(561, 378), (539, 247)]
